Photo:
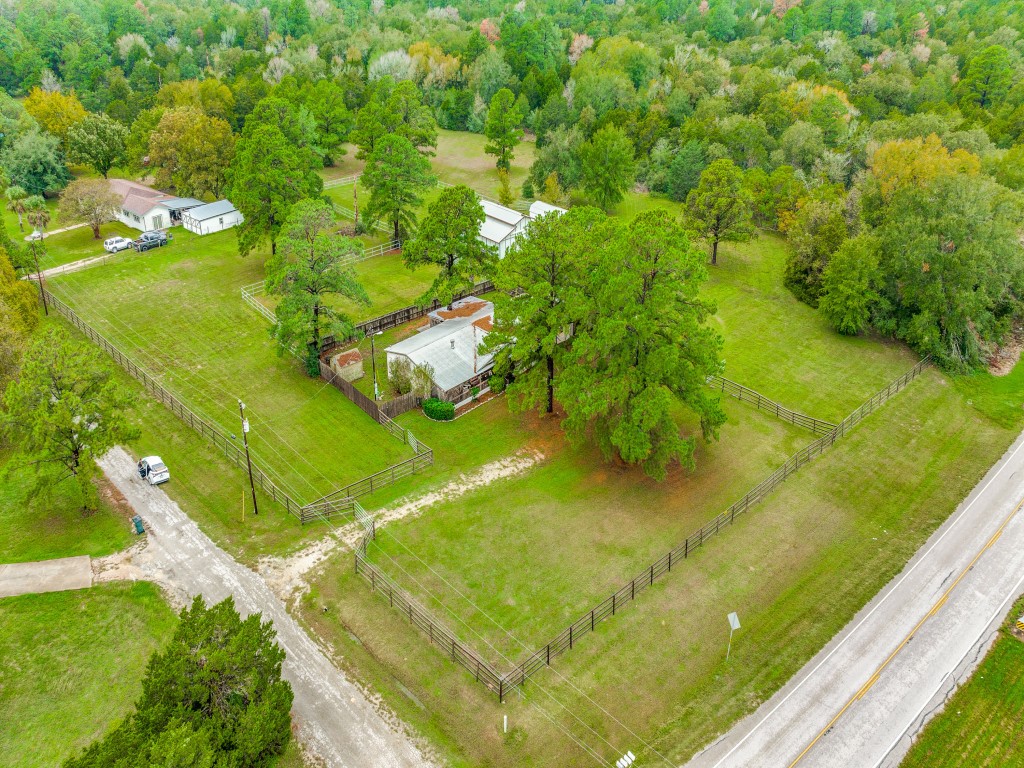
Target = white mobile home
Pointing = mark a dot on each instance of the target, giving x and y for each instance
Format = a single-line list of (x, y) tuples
[(212, 217), (450, 348), (141, 206)]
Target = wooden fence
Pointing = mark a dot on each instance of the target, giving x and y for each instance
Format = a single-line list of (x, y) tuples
[(340, 502), (762, 403), (178, 408), (399, 317), (437, 633), (502, 684)]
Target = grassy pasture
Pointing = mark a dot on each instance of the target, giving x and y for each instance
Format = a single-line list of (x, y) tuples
[(982, 724), (796, 568), (535, 551), (178, 311), (71, 666)]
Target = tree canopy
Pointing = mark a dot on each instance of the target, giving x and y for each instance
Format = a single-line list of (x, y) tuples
[(64, 410), (312, 264), (214, 696), (396, 175), (642, 348), (448, 237)]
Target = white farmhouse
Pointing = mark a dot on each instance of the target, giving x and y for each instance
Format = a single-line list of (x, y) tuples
[(450, 348), (144, 208), (212, 217)]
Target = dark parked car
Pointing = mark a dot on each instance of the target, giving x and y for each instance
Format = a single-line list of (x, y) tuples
[(148, 240)]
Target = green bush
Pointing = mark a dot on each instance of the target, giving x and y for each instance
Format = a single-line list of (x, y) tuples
[(497, 384), (438, 410)]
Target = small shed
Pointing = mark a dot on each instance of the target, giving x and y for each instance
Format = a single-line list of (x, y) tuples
[(348, 365), (212, 217)]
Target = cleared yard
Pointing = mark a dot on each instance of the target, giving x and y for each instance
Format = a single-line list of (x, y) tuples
[(71, 666), (796, 569), (982, 725), (177, 310), (55, 526), (533, 552)]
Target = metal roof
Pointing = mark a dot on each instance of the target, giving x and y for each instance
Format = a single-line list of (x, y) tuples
[(499, 222), (181, 203), (211, 210), (539, 208), (448, 348)]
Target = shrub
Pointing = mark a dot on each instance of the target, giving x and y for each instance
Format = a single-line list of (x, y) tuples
[(438, 410), (400, 375), (528, 189), (497, 384)]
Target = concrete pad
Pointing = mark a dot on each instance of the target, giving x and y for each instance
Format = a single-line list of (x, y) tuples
[(45, 576)]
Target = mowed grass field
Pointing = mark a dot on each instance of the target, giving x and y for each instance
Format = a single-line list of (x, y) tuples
[(54, 525), (982, 724), (71, 666), (796, 568), (460, 159), (178, 312), (532, 553)]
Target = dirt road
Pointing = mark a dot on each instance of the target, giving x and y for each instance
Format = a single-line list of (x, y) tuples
[(337, 721)]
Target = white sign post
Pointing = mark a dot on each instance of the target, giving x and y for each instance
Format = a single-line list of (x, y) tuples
[(734, 624)]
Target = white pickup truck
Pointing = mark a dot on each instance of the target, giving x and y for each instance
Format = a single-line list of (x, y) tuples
[(153, 470)]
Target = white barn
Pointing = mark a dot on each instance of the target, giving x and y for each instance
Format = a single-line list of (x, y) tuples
[(538, 208), (212, 217), (501, 226)]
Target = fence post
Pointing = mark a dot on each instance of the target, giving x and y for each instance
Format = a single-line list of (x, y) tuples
[(613, 605), (670, 561)]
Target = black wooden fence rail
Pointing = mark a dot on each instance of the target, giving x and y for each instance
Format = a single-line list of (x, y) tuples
[(178, 408), (607, 608), (400, 316), (438, 634), (502, 684), (762, 403)]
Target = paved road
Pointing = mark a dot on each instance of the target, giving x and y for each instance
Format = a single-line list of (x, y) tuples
[(863, 698), (336, 720), (45, 576)]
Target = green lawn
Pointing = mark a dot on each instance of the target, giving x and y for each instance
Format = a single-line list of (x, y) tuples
[(785, 349), (65, 247), (178, 312), (71, 666), (460, 159), (797, 568), (535, 551), (55, 526), (982, 725)]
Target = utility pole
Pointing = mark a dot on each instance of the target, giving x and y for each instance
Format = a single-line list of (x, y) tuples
[(373, 362), (248, 461), (39, 277)]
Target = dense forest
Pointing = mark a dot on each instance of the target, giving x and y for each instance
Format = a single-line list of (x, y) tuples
[(884, 138)]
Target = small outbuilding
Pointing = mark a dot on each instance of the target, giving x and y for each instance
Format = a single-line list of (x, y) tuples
[(212, 217), (348, 365), (539, 208), (501, 226)]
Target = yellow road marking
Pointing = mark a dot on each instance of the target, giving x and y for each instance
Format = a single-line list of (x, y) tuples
[(934, 609)]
